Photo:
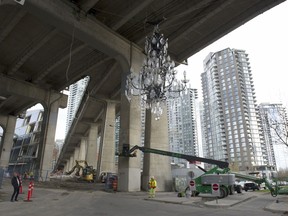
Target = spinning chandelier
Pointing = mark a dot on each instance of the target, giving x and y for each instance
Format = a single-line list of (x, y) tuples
[(156, 81)]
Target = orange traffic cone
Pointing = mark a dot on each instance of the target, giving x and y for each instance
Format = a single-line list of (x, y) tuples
[(115, 185), (32, 188), (20, 187), (29, 193)]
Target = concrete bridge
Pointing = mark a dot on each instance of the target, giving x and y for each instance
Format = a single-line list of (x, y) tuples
[(45, 46)]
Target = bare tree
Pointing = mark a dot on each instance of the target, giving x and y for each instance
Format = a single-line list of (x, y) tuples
[(278, 123), (283, 175)]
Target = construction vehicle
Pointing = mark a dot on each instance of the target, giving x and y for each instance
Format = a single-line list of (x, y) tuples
[(219, 174), (85, 172)]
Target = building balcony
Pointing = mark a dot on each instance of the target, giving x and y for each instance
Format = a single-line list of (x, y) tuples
[(241, 79)]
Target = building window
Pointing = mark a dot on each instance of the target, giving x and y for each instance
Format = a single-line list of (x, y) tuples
[(26, 120)]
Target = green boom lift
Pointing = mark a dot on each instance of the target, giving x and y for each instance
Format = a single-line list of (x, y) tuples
[(219, 174)]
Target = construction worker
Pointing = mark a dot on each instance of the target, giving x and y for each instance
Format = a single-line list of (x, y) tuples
[(152, 187)]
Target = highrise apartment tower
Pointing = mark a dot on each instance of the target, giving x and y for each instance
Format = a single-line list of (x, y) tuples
[(274, 116), (231, 119), (182, 125), (76, 91)]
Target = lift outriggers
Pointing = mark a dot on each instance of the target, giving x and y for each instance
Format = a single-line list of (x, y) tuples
[(219, 174)]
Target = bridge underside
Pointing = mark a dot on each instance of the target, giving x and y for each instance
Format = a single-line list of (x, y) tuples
[(38, 41), (45, 46)]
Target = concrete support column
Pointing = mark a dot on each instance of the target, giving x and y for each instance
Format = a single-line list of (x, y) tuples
[(76, 154), (92, 148), (108, 149), (46, 150), (71, 162), (8, 123), (83, 149), (156, 136), (129, 168), (66, 167)]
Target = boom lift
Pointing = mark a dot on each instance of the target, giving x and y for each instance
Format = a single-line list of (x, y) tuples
[(219, 174)]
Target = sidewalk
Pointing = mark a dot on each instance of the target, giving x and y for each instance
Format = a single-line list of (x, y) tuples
[(204, 200), (280, 206)]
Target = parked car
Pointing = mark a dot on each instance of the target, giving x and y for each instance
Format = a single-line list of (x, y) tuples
[(251, 186), (240, 183)]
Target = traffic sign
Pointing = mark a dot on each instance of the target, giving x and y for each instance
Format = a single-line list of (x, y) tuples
[(215, 189), (192, 185)]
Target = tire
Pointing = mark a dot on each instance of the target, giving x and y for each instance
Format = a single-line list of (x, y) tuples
[(223, 193), (226, 191), (195, 193), (239, 189), (231, 190), (274, 191)]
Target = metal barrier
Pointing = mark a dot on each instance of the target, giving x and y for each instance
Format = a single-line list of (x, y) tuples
[(111, 177), (1, 176)]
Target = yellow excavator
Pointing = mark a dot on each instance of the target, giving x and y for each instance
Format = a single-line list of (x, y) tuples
[(87, 174)]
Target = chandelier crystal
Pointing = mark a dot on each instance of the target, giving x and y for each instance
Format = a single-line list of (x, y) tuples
[(156, 81)]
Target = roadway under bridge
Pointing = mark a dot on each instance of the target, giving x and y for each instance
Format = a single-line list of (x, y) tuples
[(45, 46)]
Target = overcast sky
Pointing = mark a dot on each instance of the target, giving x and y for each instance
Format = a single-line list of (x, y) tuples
[(265, 40)]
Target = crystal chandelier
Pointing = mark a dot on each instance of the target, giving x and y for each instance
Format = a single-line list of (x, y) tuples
[(156, 81)]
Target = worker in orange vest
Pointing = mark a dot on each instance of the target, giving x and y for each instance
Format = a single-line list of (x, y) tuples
[(152, 187)]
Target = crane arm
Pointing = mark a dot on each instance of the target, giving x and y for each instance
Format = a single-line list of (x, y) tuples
[(221, 164)]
